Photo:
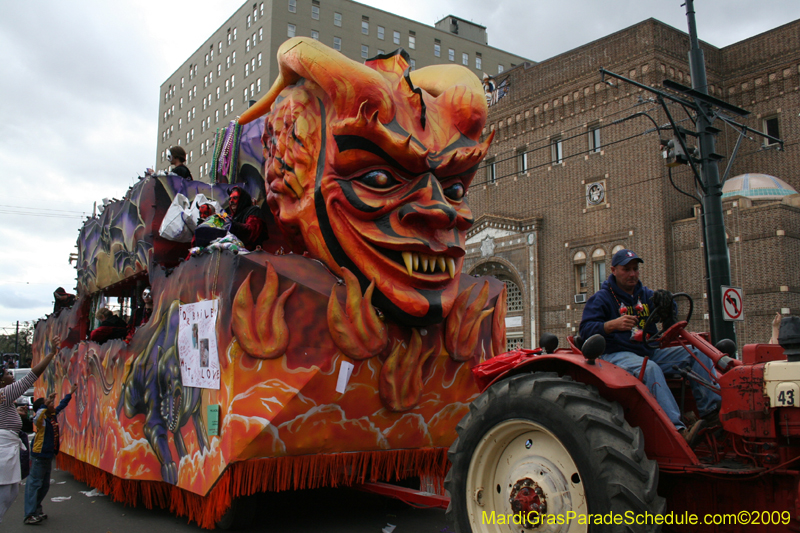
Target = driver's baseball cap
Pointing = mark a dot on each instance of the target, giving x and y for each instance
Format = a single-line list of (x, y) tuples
[(623, 257)]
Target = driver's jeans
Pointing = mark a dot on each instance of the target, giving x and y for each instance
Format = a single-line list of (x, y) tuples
[(662, 362)]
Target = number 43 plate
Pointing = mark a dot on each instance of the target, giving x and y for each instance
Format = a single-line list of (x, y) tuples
[(786, 395)]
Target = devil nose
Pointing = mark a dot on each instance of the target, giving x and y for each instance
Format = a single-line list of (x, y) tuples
[(439, 216), (430, 207)]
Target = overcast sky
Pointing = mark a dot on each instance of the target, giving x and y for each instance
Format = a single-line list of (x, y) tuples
[(80, 88)]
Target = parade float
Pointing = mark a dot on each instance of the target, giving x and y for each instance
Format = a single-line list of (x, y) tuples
[(339, 350)]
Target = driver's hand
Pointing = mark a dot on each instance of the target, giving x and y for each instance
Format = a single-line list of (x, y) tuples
[(623, 323)]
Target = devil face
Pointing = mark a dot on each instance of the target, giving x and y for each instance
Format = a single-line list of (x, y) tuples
[(397, 222), (380, 189)]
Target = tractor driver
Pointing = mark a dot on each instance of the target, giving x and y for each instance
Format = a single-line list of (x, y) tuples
[(618, 311)]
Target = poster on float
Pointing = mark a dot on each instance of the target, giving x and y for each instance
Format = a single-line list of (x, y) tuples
[(197, 344)]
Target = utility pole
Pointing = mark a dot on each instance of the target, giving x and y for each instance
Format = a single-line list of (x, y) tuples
[(716, 245), (706, 109), (16, 339)]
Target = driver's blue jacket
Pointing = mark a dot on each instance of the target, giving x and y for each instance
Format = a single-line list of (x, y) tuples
[(605, 304)]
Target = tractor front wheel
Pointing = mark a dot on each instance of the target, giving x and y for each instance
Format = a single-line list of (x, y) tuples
[(540, 452)]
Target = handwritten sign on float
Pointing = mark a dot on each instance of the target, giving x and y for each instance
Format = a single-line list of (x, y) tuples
[(197, 344)]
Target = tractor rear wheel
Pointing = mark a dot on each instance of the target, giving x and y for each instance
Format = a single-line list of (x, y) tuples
[(542, 447)]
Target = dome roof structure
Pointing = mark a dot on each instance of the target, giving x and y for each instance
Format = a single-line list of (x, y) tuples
[(757, 187)]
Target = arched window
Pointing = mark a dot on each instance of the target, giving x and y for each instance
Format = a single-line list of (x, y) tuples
[(599, 267), (579, 260)]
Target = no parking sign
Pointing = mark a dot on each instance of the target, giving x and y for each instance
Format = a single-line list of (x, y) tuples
[(732, 303)]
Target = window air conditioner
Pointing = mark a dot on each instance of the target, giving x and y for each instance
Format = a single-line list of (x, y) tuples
[(580, 298)]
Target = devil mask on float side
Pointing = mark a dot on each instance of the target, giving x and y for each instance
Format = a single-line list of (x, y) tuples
[(369, 164)]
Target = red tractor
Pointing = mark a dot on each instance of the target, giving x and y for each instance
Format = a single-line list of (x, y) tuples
[(562, 441)]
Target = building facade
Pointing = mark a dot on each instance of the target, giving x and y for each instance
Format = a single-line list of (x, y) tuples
[(576, 172), (237, 63)]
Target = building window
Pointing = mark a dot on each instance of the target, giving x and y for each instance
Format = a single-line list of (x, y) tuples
[(217, 93), (219, 47), (396, 37), (514, 343), (227, 85), (315, 35), (216, 116), (246, 93), (365, 27), (413, 64), (247, 46), (261, 9), (315, 12), (181, 83), (364, 51), (412, 42), (291, 30), (219, 69), (337, 19), (451, 54), (234, 34), (253, 65), (229, 38), (579, 260), (226, 109), (231, 105), (465, 59), (522, 160), (500, 69), (381, 31), (557, 150), (437, 50), (772, 128), (249, 21), (258, 85), (513, 297), (381, 52), (599, 268), (478, 63), (259, 59), (246, 69), (227, 62), (337, 44), (233, 58), (594, 138), (260, 34), (491, 171), (292, 6)]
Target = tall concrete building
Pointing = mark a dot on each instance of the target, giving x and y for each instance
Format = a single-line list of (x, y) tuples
[(237, 63), (576, 173)]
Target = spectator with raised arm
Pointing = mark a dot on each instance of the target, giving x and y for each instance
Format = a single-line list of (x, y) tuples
[(11, 424)]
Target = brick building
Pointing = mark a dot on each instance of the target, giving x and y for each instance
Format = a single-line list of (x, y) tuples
[(576, 172), (237, 64)]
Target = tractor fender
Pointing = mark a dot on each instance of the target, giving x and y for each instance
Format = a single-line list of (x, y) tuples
[(662, 440)]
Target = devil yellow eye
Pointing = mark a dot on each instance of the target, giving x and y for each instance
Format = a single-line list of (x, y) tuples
[(455, 191), (378, 179)]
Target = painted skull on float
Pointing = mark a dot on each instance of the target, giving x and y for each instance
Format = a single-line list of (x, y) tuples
[(368, 166)]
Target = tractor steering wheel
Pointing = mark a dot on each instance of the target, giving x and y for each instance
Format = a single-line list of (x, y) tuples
[(657, 314)]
